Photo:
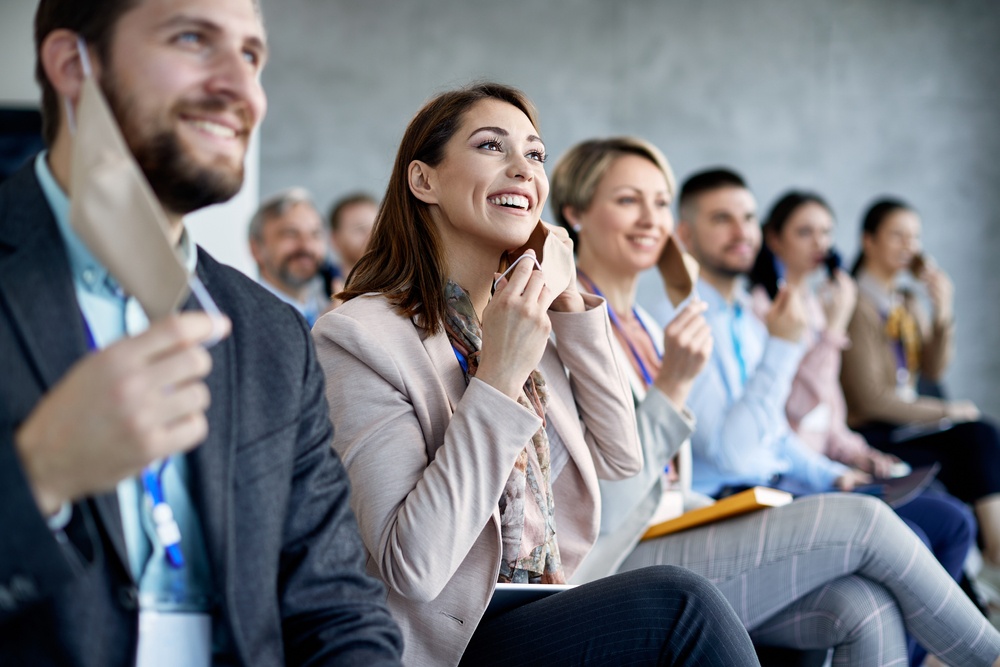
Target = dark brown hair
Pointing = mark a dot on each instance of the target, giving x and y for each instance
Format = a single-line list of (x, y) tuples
[(404, 260), (345, 202), (94, 20)]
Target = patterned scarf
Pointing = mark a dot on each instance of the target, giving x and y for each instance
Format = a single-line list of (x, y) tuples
[(530, 553)]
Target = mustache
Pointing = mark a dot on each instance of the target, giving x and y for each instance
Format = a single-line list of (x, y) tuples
[(218, 104)]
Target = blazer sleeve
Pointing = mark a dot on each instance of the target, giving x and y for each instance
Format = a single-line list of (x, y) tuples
[(868, 382), (600, 387), (333, 613), (36, 562), (419, 514)]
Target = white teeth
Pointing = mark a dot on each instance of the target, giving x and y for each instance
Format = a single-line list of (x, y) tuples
[(215, 129), (517, 201), (643, 241)]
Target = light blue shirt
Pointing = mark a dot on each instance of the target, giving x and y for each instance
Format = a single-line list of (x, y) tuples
[(310, 310), (109, 316), (743, 436)]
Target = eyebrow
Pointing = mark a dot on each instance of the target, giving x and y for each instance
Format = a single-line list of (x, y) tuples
[(181, 20), (503, 133)]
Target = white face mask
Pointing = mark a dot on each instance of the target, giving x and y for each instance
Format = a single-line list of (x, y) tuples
[(115, 213)]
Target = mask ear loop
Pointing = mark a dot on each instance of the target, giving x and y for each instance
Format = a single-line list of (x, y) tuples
[(513, 264), (81, 47)]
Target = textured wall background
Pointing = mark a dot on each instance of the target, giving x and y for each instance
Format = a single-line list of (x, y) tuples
[(852, 98)]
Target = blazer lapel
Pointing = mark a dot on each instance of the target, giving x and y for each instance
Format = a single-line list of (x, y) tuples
[(442, 355), (212, 464), (37, 285)]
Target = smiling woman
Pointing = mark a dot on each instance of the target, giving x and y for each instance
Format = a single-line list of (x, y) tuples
[(459, 420)]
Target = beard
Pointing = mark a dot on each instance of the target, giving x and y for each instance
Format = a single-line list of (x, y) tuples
[(180, 183), (295, 279)]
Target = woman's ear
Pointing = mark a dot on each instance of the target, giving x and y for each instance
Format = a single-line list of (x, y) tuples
[(571, 216), (422, 181), (60, 58), (772, 241)]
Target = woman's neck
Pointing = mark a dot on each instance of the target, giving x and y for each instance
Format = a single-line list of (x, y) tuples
[(796, 281), (884, 276), (619, 290), (474, 273)]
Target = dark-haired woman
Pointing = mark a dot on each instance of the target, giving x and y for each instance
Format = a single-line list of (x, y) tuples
[(474, 444), (797, 241), (893, 344)]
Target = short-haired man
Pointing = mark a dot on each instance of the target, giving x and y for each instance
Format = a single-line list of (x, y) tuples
[(269, 568), (743, 437), (286, 240), (351, 220)]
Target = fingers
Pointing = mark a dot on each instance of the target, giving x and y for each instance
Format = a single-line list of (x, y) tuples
[(172, 333), (517, 278)]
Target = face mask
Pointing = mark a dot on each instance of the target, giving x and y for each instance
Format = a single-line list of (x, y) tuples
[(115, 213), (552, 257), (679, 271)]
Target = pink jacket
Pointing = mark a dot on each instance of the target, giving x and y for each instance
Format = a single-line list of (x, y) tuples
[(816, 408)]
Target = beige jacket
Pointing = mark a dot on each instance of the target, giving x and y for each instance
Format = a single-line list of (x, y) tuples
[(868, 371), (428, 458)]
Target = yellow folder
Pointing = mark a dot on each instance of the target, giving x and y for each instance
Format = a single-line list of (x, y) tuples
[(750, 500)]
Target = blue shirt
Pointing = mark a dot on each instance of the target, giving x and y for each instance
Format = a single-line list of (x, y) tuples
[(109, 316), (743, 435)]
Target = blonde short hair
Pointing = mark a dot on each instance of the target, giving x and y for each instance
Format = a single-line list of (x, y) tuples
[(576, 175)]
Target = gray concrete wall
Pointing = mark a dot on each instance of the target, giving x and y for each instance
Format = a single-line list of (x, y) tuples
[(850, 97)]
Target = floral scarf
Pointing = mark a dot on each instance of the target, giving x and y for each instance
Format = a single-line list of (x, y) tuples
[(530, 553)]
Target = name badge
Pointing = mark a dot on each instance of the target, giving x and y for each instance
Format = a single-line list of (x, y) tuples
[(174, 639)]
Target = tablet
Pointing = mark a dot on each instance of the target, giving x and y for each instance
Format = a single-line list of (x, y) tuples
[(510, 596)]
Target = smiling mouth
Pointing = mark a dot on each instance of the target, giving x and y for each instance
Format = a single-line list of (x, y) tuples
[(519, 202), (644, 241)]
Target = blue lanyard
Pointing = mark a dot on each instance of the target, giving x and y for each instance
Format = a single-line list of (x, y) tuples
[(616, 323), (167, 530), (737, 350)]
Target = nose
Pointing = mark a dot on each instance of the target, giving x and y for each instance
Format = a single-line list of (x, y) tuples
[(519, 166), (238, 80)]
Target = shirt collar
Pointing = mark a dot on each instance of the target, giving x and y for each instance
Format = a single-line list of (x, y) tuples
[(86, 270), (717, 303), (883, 299)]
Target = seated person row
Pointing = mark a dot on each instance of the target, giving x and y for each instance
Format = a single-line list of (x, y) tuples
[(614, 196), (473, 443), (797, 240), (893, 344)]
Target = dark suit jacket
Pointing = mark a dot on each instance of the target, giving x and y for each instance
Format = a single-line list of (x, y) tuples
[(272, 496)]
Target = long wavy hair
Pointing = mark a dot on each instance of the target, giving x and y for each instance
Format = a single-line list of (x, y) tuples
[(404, 259)]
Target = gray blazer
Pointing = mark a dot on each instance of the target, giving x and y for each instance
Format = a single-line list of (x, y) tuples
[(428, 457), (272, 498)]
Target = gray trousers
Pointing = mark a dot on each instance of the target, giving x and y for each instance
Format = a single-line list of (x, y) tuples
[(833, 570)]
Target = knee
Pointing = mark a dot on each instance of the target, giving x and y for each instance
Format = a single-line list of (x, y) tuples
[(673, 586), (981, 435), (857, 608)]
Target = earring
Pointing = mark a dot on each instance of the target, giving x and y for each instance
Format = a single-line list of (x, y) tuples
[(577, 227)]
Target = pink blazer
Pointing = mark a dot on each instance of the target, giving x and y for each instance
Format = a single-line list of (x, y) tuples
[(428, 457)]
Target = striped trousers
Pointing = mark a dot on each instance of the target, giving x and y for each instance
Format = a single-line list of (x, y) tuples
[(833, 570)]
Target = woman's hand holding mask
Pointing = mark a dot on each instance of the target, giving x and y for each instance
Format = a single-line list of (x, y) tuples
[(687, 347), (554, 250), (515, 328)]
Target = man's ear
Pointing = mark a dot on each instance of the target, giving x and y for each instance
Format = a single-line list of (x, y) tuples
[(423, 181), (256, 251), (684, 233), (60, 57)]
